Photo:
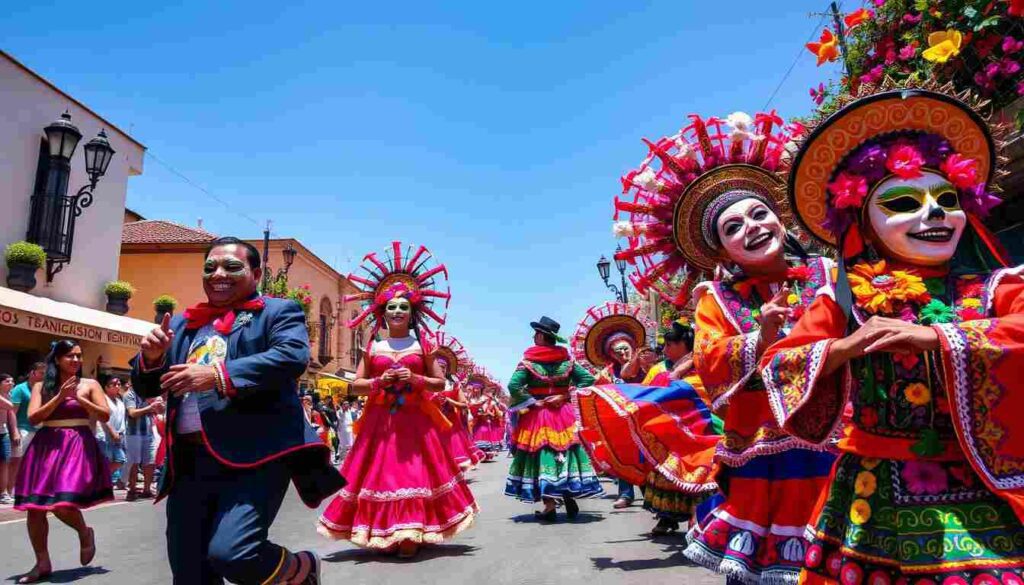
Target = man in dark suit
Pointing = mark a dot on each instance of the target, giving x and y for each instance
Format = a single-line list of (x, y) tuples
[(236, 432)]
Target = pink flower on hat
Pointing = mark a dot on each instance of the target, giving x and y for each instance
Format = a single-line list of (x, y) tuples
[(904, 161), (961, 171), (848, 190)]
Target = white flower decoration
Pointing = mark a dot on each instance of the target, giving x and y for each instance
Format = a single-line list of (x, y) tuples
[(740, 121), (647, 180), (623, 229)]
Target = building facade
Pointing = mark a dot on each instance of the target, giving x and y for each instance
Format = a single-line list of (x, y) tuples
[(72, 304)]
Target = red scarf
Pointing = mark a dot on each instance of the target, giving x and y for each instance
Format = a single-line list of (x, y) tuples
[(546, 354), (793, 273), (223, 317)]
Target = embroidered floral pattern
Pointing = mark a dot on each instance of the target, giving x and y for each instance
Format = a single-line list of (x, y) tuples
[(882, 292)]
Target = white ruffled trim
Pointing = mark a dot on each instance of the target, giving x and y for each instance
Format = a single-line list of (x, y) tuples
[(416, 493)]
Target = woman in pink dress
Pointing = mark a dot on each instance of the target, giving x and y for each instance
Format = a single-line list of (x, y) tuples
[(63, 471), (405, 488), (453, 360)]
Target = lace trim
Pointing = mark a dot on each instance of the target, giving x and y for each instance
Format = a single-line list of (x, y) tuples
[(403, 493), (367, 537), (994, 281), (815, 361)]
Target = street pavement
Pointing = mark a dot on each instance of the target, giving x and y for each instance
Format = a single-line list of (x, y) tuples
[(505, 547)]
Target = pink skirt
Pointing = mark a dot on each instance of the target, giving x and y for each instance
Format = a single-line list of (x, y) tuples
[(489, 434), (403, 484), (467, 455)]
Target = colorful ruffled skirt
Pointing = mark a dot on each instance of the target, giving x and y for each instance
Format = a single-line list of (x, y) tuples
[(758, 534), (403, 484), (919, 521), (63, 467), (549, 461), (467, 455), (489, 434), (661, 437)]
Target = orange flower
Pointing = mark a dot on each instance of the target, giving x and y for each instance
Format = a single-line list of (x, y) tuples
[(860, 511), (857, 18), (917, 394), (878, 291), (865, 484), (827, 47)]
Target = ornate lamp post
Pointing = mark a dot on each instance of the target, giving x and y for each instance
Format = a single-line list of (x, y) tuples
[(53, 214), (604, 270), (288, 254)]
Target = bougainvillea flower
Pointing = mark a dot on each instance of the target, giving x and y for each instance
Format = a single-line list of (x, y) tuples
[(908, 52), (1015, 8), (961, 171), (943, 45), (857, 18), (818, 94), (848, 190), (904, 161), (1012, 45), (827, 47), (911, 19)]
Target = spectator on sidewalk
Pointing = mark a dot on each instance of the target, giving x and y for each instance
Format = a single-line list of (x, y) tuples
[(111, 434), (141, 443), (20, 396), (8, 436)]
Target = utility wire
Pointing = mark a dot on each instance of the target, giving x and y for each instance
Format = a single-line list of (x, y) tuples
[(799, 55), (183, 177)]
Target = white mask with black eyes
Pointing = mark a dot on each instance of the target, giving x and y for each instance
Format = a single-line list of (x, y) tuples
[(917, 221), (751, 234)]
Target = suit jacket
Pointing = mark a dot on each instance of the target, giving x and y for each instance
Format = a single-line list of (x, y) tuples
[(259, 418)]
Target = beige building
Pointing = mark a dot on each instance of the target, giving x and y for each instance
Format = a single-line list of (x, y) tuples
[(72, 304), (162, 257)]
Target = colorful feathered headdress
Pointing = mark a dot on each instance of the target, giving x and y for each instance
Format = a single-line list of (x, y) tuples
[(450, 350), (668, 197), (402, 273)]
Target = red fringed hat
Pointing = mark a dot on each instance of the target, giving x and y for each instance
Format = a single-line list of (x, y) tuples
[(602, 326), (668, 198), (401, 273)]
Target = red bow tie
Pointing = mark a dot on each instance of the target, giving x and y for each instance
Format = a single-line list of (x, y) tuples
[(223, 317)]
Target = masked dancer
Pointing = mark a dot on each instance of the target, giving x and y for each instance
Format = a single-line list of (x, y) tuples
[(454, 362), (405, 488), (923, 333)]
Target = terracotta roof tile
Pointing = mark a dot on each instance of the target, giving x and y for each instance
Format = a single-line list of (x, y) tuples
[(158, 231)]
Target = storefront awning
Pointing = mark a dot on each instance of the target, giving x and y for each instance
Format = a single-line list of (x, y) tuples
[(329, 385), (25, 311)]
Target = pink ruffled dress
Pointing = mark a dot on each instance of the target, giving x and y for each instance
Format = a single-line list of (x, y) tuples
[(466, 454), (404, 482)]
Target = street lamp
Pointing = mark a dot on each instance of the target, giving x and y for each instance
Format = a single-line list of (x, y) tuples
[(289, 256), (604, 267), (53, 211)]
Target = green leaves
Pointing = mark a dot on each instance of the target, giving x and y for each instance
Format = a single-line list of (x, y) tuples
[(928, 445)]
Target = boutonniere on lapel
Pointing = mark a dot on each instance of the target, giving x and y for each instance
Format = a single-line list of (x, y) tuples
[(242, 319)]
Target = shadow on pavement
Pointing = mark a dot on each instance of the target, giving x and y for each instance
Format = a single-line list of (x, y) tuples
[(583, 518), (362, 556), (673, 560), (67, 575)]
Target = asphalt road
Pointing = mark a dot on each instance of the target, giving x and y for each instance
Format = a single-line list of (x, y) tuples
[(506, 546)]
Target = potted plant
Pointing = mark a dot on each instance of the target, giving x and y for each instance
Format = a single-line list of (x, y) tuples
[(118, 292), (164, 304), (23, 260)]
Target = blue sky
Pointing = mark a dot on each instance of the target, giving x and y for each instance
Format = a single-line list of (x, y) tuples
[(492, 133)]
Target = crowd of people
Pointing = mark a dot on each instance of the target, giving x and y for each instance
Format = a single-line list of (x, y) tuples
[(835, 405)]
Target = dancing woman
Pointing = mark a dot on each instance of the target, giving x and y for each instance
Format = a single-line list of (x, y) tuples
[(405, 488), (917, 349), (63, 471), (452, 359), (713, 206), (549, 463)]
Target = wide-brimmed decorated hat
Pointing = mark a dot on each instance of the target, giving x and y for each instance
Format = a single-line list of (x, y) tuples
[(450, 350), (890, 131), (674, 196), (603, 326), (406, 272)]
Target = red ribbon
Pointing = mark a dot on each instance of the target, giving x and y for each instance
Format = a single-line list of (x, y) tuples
[(223, 317)]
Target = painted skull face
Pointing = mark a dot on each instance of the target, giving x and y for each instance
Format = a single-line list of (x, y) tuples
[(398, 311), (918, 221), (622, 351), (443, 365), (751, 234)]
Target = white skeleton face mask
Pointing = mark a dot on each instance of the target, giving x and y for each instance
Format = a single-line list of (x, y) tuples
[(398, 311), (918, 221)]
